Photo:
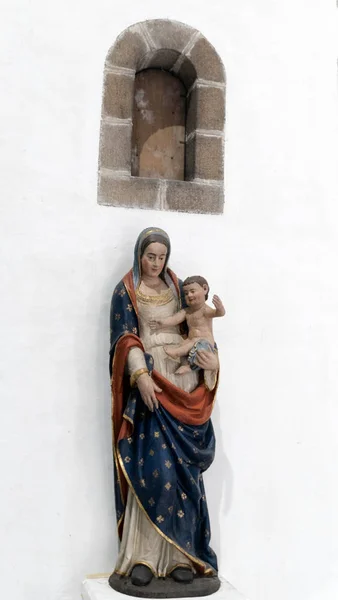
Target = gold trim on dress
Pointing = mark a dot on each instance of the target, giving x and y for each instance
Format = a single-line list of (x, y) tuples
[(157, 300)]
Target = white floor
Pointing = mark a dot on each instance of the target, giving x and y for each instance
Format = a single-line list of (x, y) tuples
[(98, 589)]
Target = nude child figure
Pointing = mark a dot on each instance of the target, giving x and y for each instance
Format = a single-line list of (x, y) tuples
[(199, 320)]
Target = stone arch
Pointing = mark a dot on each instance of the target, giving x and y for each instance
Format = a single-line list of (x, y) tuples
[(186, 53)]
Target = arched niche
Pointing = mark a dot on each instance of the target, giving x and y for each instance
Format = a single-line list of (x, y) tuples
[(185, 55)]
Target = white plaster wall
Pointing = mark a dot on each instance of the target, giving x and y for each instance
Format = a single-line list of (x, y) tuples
[(272, 256)]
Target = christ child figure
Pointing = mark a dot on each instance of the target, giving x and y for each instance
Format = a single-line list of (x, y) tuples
[(199, 320)]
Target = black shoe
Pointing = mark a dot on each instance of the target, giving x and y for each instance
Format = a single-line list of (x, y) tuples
[(141, 575), (182, 575)]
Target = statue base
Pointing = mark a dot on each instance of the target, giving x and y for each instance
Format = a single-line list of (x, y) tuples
[(166, 587), (96, 587)]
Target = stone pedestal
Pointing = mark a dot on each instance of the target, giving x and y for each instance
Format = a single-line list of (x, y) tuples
[(99, 589)]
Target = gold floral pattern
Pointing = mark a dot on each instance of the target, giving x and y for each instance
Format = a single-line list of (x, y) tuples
[(180, 460), (180, 514), (160, 519), (155, 473), (151, 452), (142, 483), (167, 464), (170, 509), (142, 436), (164, 428), (158, 300), (184, 496), (180, 428), (156, 434), (127, 459), (168, 486), (164, 446), (151, 501), (129, 307), (141, 462), (130, 440), (117, 316)]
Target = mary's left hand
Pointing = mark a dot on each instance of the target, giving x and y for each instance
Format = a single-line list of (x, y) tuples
[(207, 360)]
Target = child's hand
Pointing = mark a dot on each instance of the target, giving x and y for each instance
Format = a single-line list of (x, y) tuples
[(218, 304), (155, 324)]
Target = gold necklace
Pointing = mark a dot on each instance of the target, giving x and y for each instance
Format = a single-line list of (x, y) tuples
[(157, 299)]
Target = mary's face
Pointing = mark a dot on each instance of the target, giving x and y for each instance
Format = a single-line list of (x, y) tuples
[(153, 259)]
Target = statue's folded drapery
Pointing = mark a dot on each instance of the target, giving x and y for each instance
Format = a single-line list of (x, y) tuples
[(160, 456)]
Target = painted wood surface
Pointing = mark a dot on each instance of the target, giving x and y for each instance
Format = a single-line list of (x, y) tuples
[(158, 125)]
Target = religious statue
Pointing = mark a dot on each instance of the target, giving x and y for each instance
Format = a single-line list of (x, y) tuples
[(163, 439)]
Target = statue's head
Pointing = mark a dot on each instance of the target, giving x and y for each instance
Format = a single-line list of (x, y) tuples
[(196, 286), (153, 249)]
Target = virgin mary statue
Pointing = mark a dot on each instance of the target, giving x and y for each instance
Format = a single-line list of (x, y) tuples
[(163, 439)]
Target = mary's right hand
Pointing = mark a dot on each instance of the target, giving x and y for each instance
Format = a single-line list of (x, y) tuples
[(147, 388)]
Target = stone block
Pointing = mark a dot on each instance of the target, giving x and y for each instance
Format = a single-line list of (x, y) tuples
[(206, 61), (128, 49), (159, 59), (187, 73), (169, 34), (205, 109), (204, 158), (115, 146), (131, 192), (118, 95), (192, 197)]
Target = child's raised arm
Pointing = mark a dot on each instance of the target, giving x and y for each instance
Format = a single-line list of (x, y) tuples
[(218, 311), (176, 319)]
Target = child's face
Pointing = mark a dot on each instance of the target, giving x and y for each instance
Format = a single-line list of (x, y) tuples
[(195, 294)]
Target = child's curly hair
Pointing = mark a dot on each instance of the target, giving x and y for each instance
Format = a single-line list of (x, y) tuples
[(197, 279)]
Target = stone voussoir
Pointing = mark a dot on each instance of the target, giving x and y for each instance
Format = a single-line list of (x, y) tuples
[(187, 73), (193, 197), (164, 58), (130, 192), (128, 48), (169, 34), (206, 61)]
